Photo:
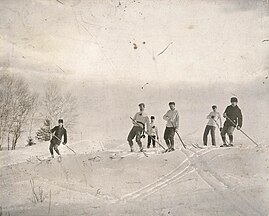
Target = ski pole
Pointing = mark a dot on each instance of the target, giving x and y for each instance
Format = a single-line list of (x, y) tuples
[(148, 134), (64, 145), (242, 131), (70, 149), (178, 136)]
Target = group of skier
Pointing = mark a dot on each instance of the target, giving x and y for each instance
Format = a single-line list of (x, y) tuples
[(142, 125)]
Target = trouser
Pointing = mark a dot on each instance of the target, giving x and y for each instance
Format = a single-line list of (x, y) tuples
[(229, 130), (54, 146), (169, 134), (151, 138), (136, 132), (212, 132)]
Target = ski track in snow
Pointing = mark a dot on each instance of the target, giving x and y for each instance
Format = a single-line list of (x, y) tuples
[(164, 181), (234, 198), (194, 163)]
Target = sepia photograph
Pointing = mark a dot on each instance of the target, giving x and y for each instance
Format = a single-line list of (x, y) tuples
[(134, 108)]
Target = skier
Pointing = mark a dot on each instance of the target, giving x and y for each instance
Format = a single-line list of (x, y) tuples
[(172, 118), (234, 118), (213, 117), (57, 133), (153, 132), (141, 120)]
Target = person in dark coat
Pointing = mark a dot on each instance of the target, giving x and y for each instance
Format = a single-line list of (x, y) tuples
[(57, 133), (234, 119)]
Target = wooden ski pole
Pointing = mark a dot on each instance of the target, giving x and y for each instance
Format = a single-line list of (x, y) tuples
[(242, 131), (178, 136), (64, 145)]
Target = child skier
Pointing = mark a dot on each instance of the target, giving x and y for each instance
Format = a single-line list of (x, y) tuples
[(152, 132)]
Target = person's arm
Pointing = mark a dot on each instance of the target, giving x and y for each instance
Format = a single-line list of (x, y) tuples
[(147, 124), (53, 129), (157, 134), (177, 121), (165, 117), (240, 119), (209, 116), (225, 112), (135, 117), (65, 137)]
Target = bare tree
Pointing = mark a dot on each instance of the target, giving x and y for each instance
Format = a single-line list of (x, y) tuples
[(16, 103), (57, 104)]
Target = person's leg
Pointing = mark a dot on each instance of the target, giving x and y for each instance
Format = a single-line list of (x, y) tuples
[(205, 135), (166, 137), (213, 136), (223, 135), (56, 149), (51, 149), (172, 139), (130, 138), (230, 134), (138, 137), (153, 141), (149, 141)]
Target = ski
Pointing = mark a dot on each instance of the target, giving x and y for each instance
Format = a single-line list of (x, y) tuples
[(42, 160), (144, 152), (197, 146)]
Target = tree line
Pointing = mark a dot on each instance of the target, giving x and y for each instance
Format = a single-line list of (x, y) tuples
[(21, 109)]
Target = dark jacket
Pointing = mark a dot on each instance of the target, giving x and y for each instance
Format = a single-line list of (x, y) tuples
[(235, 114), (57, 133)]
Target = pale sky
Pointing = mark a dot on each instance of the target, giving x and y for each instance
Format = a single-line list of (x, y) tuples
[(209, 41)]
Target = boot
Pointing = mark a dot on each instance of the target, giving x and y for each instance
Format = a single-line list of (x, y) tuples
[(224, 145)]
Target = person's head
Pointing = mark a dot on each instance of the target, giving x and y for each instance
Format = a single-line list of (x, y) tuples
[(172, 105), (234, 101), (141, 107), (214, 108), (60, 122), (152, 118)]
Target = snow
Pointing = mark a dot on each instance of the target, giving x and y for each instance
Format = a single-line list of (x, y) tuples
[(216, 52), (211, 181)]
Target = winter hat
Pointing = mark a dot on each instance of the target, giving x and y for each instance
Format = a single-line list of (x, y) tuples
[(214, 106), (172, 103), (234, 99), (152, 117), (60, 121), (141, 104)]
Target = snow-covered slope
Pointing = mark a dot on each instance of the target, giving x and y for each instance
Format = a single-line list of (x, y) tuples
[(212, 181)]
